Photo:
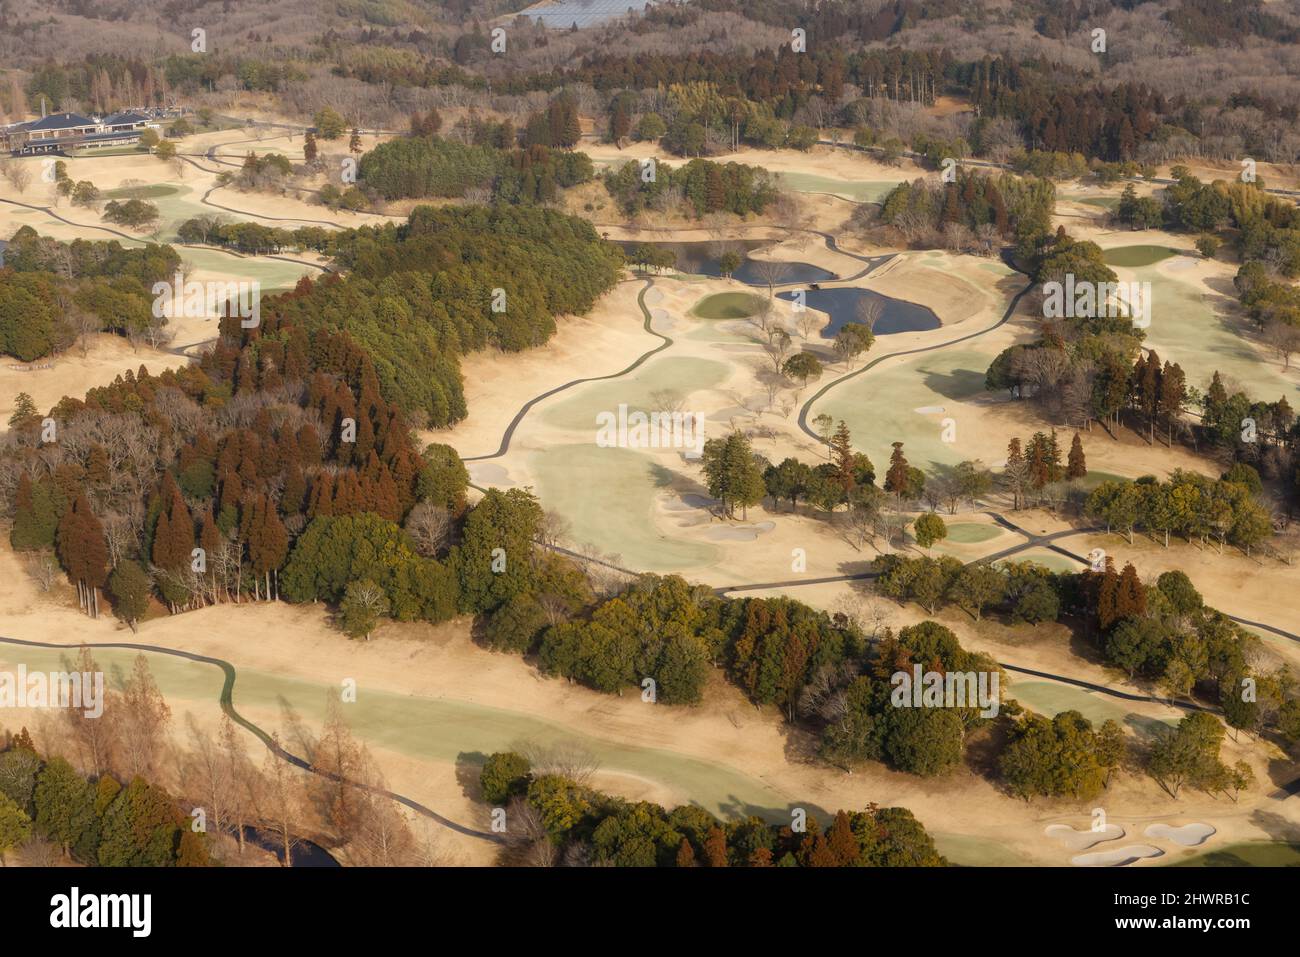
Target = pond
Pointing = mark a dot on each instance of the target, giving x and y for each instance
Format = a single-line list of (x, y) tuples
[(842, 305), (701, 258)]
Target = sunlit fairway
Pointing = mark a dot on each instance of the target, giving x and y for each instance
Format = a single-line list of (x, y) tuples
[(1050, 698), (1132, 257), (860, 191), (423, 728), (966, 850), (1186, 329), (881, 406), (680, 376), (608, 497), (273, 274), (728, 305)]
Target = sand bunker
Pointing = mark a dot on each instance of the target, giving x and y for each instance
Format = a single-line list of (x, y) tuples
[(1189, 835), (929, 410), (747, 533), (488, 473), (1117, 857), (1077, 840)]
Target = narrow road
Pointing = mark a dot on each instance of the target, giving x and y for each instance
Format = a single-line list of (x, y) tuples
[(1006, 316), (523, 411)]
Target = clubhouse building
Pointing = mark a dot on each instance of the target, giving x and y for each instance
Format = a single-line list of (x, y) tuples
[(60, 132)]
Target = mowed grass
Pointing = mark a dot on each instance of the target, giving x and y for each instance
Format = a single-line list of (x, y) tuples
[(1133, 257), (1047, 558), (972, 533), (143, 191), (680, 376), (727, 305), (862, 191), (1186, 329), (608, 497), (423, 728), (1049, 698), (1246, 854), (272, 274), (879, 406)]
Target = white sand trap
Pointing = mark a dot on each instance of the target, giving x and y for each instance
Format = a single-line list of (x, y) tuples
[(1189, 835), (744, 533), (729, 413), (1117, 857), (658, 314), (929, 410), (488, 473), (1182, 262), (654, 296), (1081, 840), (687, 503)]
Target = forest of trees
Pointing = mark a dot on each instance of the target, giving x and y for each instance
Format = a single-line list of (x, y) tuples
[(283, 463), (977, 212), (706, 187), (1161, 633), (432, 167), (99, 803), (419, 295), (54, 294)]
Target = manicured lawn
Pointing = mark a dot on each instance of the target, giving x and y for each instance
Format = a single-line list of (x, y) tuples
[(1133, 257), (727, 305), (148, 191), (972, 533)]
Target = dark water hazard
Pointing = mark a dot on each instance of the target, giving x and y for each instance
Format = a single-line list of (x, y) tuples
[(842, 305), (701, 257), (304, 853)]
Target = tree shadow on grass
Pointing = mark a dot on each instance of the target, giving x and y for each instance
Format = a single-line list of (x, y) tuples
[(955, 385)]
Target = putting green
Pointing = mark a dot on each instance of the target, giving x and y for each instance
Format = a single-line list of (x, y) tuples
[(972, 533), (1136, 256), (1047, 558), (678, 375), (608, 497), (143, 191), (727, 305)]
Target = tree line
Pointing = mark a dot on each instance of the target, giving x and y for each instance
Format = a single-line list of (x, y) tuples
[(557, 820), (54, 294)]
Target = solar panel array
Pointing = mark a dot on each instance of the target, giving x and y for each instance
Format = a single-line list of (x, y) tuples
[(585, 13)]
